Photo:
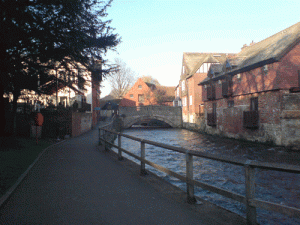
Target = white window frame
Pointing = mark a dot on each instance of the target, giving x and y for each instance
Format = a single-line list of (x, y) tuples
[(184, 101), (191, 99), (183, 85)]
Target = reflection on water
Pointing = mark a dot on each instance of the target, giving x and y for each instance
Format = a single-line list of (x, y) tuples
[(273, 186)]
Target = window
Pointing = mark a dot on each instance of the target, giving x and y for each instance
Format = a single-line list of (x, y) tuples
[(204, 68), (184, 101), (140, 86), (211, 93), (141, 98), (238, 77), (230, 103), (177, 92), (191, 100), (254, 104), (212, 117), (131, 96), (191, 119), (183, 85), (265, 69), (298, 78), (251, 118)]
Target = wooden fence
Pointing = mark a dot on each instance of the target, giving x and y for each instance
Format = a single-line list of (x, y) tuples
[(248, 200)]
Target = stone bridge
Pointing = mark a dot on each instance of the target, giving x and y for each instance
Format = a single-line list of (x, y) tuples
[(168, 114)]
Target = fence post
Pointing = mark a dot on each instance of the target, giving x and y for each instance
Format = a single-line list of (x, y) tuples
[(104, 137), (119, 145), (99, 137), (143, 168), (189, 179), (250, 194)]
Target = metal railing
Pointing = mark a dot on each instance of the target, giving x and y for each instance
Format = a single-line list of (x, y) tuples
[(248, 200)]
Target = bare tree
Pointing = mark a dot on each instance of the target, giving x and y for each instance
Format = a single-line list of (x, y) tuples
[(121, 80)]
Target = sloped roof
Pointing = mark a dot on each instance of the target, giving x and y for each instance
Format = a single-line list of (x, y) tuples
[(151, 86), (193, 61), (170, 90), (216, 69), (274, 47), (267, 51), (54, 85), (110, 105)]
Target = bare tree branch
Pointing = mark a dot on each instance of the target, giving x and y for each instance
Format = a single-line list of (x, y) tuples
[(121, 80)]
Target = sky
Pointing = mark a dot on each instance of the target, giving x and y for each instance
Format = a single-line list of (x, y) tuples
[(155, 33)]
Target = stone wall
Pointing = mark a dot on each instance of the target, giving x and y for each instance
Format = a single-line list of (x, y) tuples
[(279, 119), (290, 120)]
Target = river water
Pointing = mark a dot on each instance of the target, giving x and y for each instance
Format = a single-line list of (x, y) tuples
[(278, 187)]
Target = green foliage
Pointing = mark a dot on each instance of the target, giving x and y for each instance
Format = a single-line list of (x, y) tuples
[(36, 33)]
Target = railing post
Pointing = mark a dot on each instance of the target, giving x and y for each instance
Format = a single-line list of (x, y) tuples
[(143, 168), (189, 179), (250, 194), (99, 137), (119, 145), (104, 137)]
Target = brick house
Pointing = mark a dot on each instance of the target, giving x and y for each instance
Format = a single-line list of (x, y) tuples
[(194, 70), (256, 94), (143, 93)]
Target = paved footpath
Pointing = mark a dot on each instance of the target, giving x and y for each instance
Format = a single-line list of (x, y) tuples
[(77, 182)]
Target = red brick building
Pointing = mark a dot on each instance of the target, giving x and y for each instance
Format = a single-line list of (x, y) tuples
[(194, 70), (143, 93), (256, 94)]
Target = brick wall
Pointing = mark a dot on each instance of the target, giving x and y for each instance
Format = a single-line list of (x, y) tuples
[(81, 123)]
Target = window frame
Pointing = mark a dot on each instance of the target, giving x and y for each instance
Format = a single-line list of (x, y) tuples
[(141, 98)]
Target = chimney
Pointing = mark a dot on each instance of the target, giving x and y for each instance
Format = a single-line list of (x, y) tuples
[(244, 46), (252, 43)]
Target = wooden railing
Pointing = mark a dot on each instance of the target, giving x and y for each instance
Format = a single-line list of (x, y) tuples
[(249, 199), (250, 119)]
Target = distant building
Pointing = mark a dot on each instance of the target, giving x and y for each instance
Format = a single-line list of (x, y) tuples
[(143, 93), (195, 67)]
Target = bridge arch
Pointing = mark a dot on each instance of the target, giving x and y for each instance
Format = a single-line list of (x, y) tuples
[(128, 123), (168, 114)]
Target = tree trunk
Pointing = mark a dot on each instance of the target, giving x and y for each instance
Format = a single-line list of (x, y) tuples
[(16, 95), (2, 112)]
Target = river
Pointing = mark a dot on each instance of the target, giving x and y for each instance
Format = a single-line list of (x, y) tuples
[(278, 187)]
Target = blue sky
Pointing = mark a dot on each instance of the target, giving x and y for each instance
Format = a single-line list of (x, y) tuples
[(155, 33)]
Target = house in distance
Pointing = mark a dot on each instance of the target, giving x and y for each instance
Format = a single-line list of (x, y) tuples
[(143, 93)]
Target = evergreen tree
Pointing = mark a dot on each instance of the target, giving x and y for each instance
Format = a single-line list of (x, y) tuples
[(35, 33)]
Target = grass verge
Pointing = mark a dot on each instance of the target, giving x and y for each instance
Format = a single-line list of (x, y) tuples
[(16, 155)]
